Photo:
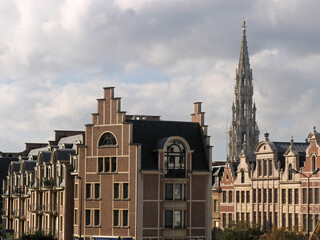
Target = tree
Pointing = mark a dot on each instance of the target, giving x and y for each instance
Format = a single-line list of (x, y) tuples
[(241, 231), (284, 233), (38, 235)]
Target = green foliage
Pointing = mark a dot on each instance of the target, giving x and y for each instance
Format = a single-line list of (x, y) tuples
[(284, 234), (241, 231), (38, 235)]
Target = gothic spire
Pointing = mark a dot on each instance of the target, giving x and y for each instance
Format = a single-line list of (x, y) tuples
[(244, 65)]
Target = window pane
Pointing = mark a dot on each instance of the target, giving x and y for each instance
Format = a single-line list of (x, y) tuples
[(114, 164), (169, 191), (125, 190), (87, 217), (107, 164), (115, 217), (177, 219), (125, 218), (88, 190), (100, 164), (168, 219), (178, 192), (96, 217), (97, 190), (116, 190)]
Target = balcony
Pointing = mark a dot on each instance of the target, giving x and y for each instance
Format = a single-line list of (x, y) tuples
[(4, 212), (33, 184), (16, 213), (16, 192), (36, 208), (48, 183), (50, 208)]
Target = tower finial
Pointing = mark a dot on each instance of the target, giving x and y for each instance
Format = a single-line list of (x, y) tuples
[(244, 26)]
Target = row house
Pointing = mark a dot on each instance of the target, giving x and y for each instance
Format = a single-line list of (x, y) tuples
[(281, 188), (127, 176), (37, 191)]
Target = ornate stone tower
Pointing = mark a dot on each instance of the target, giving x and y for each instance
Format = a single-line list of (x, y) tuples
[(244, 131)]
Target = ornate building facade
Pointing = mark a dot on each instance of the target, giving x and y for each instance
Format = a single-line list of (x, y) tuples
[(244, 132)]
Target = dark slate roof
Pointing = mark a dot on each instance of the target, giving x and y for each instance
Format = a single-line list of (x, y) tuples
[(4, 166), (153, 134), (29, 165), (46, 156), (282, 147), (16, 166), (64, 154)]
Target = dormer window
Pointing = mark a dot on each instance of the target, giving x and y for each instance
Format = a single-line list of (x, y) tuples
[(107, 139), (290, 172), (242, 176), (175, 160)]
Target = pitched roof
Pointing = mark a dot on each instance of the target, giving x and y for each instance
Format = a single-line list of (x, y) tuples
[(153, 134), (29, 165)]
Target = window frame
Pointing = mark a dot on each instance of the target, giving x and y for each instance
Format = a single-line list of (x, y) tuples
[(105, 137)]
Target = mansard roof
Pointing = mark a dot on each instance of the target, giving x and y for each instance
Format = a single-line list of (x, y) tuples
[(46, 156), (62, 154), (16, 166), (152, 134), (29, 165), (4, 166)]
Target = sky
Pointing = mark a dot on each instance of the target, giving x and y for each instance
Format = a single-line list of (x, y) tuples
[(161, 57)]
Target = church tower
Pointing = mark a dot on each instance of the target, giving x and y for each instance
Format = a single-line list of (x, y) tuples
[(244, 131)]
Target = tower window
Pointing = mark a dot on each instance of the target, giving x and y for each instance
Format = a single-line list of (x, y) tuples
[(242, 176), (313, 163), (290, 172), (174, 161), (107, 139)]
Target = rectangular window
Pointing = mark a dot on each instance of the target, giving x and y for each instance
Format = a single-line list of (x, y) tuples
[(126, 190), (270, 167), (248, 196), (259, 218), (178, 219), (100, 164), (283, 220), (169, 219), (169, 191), (76, 190), (107, 164), (283, 196), (116, 191), (224, 220), (248, 217), (290, 220), (304, 222), (254, 217), (237, 217), (304, 195), (88, 213), (216, 205), (178, 191), (316, 219), (242, 216), (290, 196), (270, 220), (97, 190), (88, 190), (270, 195), (61, 199), (75, 216), (113, 164), (237, 196), (296, 219), (96, 217), (230, 218), (115, 218), (224, 196), (242, 196), (259, 195), (125, 218), (275, 221), (275, 195), (230, 196), (264, 195), (316, 195), (259, 168), (311, 195), (296, 196), (264, 167), (254, 197)]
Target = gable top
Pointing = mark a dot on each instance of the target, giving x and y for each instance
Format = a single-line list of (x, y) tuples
[(152, 135)]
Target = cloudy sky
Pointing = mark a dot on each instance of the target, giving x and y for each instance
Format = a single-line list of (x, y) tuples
[(55, 57)]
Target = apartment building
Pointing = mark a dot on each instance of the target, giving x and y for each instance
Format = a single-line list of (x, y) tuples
[(280, 189), (128, 177)]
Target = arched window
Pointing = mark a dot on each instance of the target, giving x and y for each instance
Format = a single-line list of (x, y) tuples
[(290, 172), (175, 160), (313, 163), (107, 139), (244, 137), (242, 176)]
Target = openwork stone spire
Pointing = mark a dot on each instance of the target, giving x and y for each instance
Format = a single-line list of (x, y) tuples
[(244, 131)]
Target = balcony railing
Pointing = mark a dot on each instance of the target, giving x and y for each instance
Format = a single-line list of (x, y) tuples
[(35, 207), (50, 207)]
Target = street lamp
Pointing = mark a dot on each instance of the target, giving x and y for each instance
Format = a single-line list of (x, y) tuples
[(308, 189)]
